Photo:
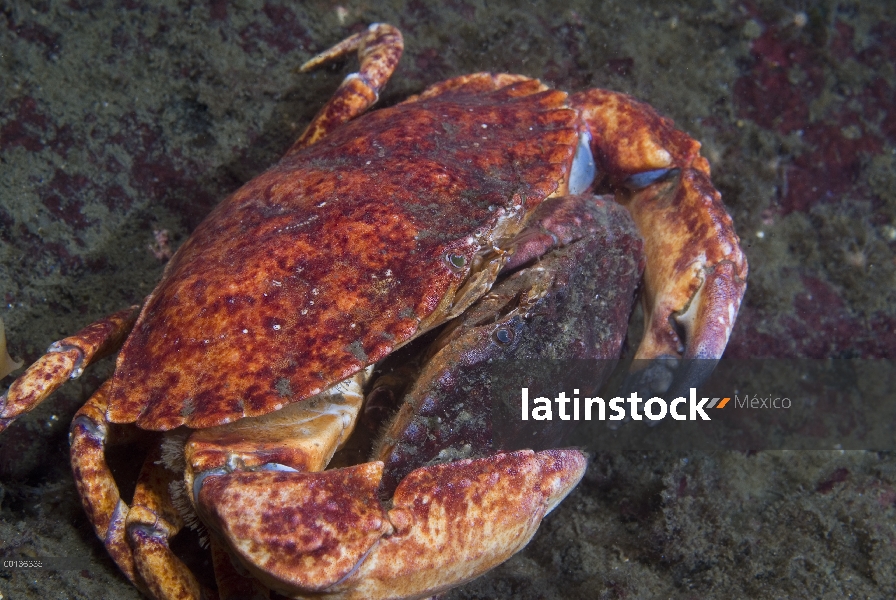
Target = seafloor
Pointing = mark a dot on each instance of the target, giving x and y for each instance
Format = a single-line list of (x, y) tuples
[(122, 118)]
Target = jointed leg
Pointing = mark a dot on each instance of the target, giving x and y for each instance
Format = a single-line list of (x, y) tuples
[(152, 521), (379, 49), (327, 534), (65, 359), (136, 537), (96, 486)]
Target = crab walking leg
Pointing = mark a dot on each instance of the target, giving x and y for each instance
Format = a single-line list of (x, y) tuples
[(152, 520), (96, 486), (327, 534), (696, 271), (65, 359), (379, 50), (301, 436), (135, 536)]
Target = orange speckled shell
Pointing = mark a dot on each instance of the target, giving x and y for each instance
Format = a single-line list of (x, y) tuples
[(332, 258)]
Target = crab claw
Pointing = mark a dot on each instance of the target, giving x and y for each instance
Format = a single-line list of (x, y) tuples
[(695, 276), (696, 272), (327, 533)]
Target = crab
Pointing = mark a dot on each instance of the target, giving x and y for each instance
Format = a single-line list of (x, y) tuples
[(418, 242)]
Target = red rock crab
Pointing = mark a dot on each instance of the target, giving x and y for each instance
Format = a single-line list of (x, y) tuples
[(254, 351)]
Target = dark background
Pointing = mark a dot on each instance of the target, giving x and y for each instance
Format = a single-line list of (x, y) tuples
[(121, 118)]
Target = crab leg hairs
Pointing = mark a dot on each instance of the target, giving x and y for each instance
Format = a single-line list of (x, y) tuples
[(328, 533), (152, 521)]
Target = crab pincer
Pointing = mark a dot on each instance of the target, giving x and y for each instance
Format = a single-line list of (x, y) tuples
[(338, 539), (696, 271)]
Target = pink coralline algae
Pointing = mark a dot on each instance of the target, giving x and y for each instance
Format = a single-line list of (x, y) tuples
[(795, 87)]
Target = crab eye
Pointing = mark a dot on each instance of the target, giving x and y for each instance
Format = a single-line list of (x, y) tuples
[(503, 335), (456, 261)]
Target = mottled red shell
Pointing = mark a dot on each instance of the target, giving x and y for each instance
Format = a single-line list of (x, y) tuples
[(332, 258)]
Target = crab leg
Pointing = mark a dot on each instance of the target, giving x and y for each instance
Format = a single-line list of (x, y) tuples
[(152, 520), (696, 272), (302, 436), (135, 537), (379, 49), (65, 359), (96, 486)]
